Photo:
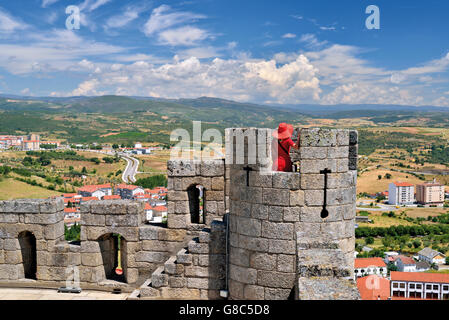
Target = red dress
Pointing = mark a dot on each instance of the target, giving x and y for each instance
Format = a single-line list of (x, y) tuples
[(283, 161)]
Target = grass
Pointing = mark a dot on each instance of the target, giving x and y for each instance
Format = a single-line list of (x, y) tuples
[(11, 189), (368, 181)]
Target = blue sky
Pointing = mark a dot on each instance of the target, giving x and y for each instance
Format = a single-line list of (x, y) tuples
[(274, 52)]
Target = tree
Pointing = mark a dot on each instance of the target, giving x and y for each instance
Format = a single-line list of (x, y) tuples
[(387, 176), (115, 146), (379, 177), (84, 170), (152, 182), (369, 240), (447, 260)]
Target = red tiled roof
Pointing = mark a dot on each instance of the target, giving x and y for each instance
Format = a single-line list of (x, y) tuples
[(368, 262), (69, 195), (114, 197), (67, 200), (148, 206), (160, 208), (93, 188), (126, 186), (70, 210), (419, 277), (89, 198), (373, 287), (406, 260), (403, 184)]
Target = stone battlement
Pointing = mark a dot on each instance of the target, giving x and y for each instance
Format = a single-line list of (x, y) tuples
[(233, 224)]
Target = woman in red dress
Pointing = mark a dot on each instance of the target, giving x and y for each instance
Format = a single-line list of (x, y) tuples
[(284, 142)]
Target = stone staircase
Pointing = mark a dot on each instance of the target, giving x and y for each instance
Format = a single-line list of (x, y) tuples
[(197, 271)]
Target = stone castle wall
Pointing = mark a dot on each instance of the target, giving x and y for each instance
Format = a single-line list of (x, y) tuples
[(263, 237)]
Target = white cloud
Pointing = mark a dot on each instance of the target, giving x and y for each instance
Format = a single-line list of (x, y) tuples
[(9, 24), (57, 50), (51, 17), (46, 3), (255, 80), (312, 41), (121, 20), (289, 36), (183, 36), (164, 17), (25, 91), (91, 5)]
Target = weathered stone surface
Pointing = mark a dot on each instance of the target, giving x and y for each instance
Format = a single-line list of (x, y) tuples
[(286, 180), (327, 288), (182, 168), (277, 230), (212, 168), (263, 261), (252, 292), (276, 279), (243, 275), (279, 197)]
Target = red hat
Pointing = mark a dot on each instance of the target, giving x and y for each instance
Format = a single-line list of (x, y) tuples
[(284, 131)]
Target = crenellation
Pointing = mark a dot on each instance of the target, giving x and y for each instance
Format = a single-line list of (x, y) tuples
[(260, 234)]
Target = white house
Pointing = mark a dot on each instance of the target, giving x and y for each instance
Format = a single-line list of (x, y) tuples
[(368, 266), (405, 264), (431, 256), (401, 193), (421, 285), (128, 191), (98, 191)]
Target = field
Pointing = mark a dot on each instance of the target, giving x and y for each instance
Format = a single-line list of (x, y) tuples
[(369, 182), (11, 189)]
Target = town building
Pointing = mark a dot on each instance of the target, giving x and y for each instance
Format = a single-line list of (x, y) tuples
[(430, 193), (401, 193), (98, 191), (405, 264), (419, 285), (126, 191), (369, 266), (431, 256)]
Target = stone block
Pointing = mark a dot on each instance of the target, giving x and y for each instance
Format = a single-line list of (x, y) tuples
[(314, 197), (274, 230), (252, 292), (263, 261), (313, 152), (93, 220), (338, 152), (177, 282), (317, 137), (249, 227), (91, 259), (312, 181), (282, 246), (286, 180), (276, 279), (243, 275), (148, 256), (212, 168), (182, 168), (286, 263), (128, 220), (279, 197), (277, 294), (291, 214)]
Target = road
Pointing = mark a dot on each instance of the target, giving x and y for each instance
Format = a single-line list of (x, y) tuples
[(129, 175)]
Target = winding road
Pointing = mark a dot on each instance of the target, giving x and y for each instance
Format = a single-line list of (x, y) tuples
[(129, 175)]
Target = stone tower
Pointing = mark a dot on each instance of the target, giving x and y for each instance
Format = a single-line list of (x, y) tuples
[(281, 244)]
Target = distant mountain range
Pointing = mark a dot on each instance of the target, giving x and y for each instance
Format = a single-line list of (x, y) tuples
[(123, 104)]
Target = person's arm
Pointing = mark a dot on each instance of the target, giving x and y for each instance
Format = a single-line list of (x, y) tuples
[(296, 145)]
